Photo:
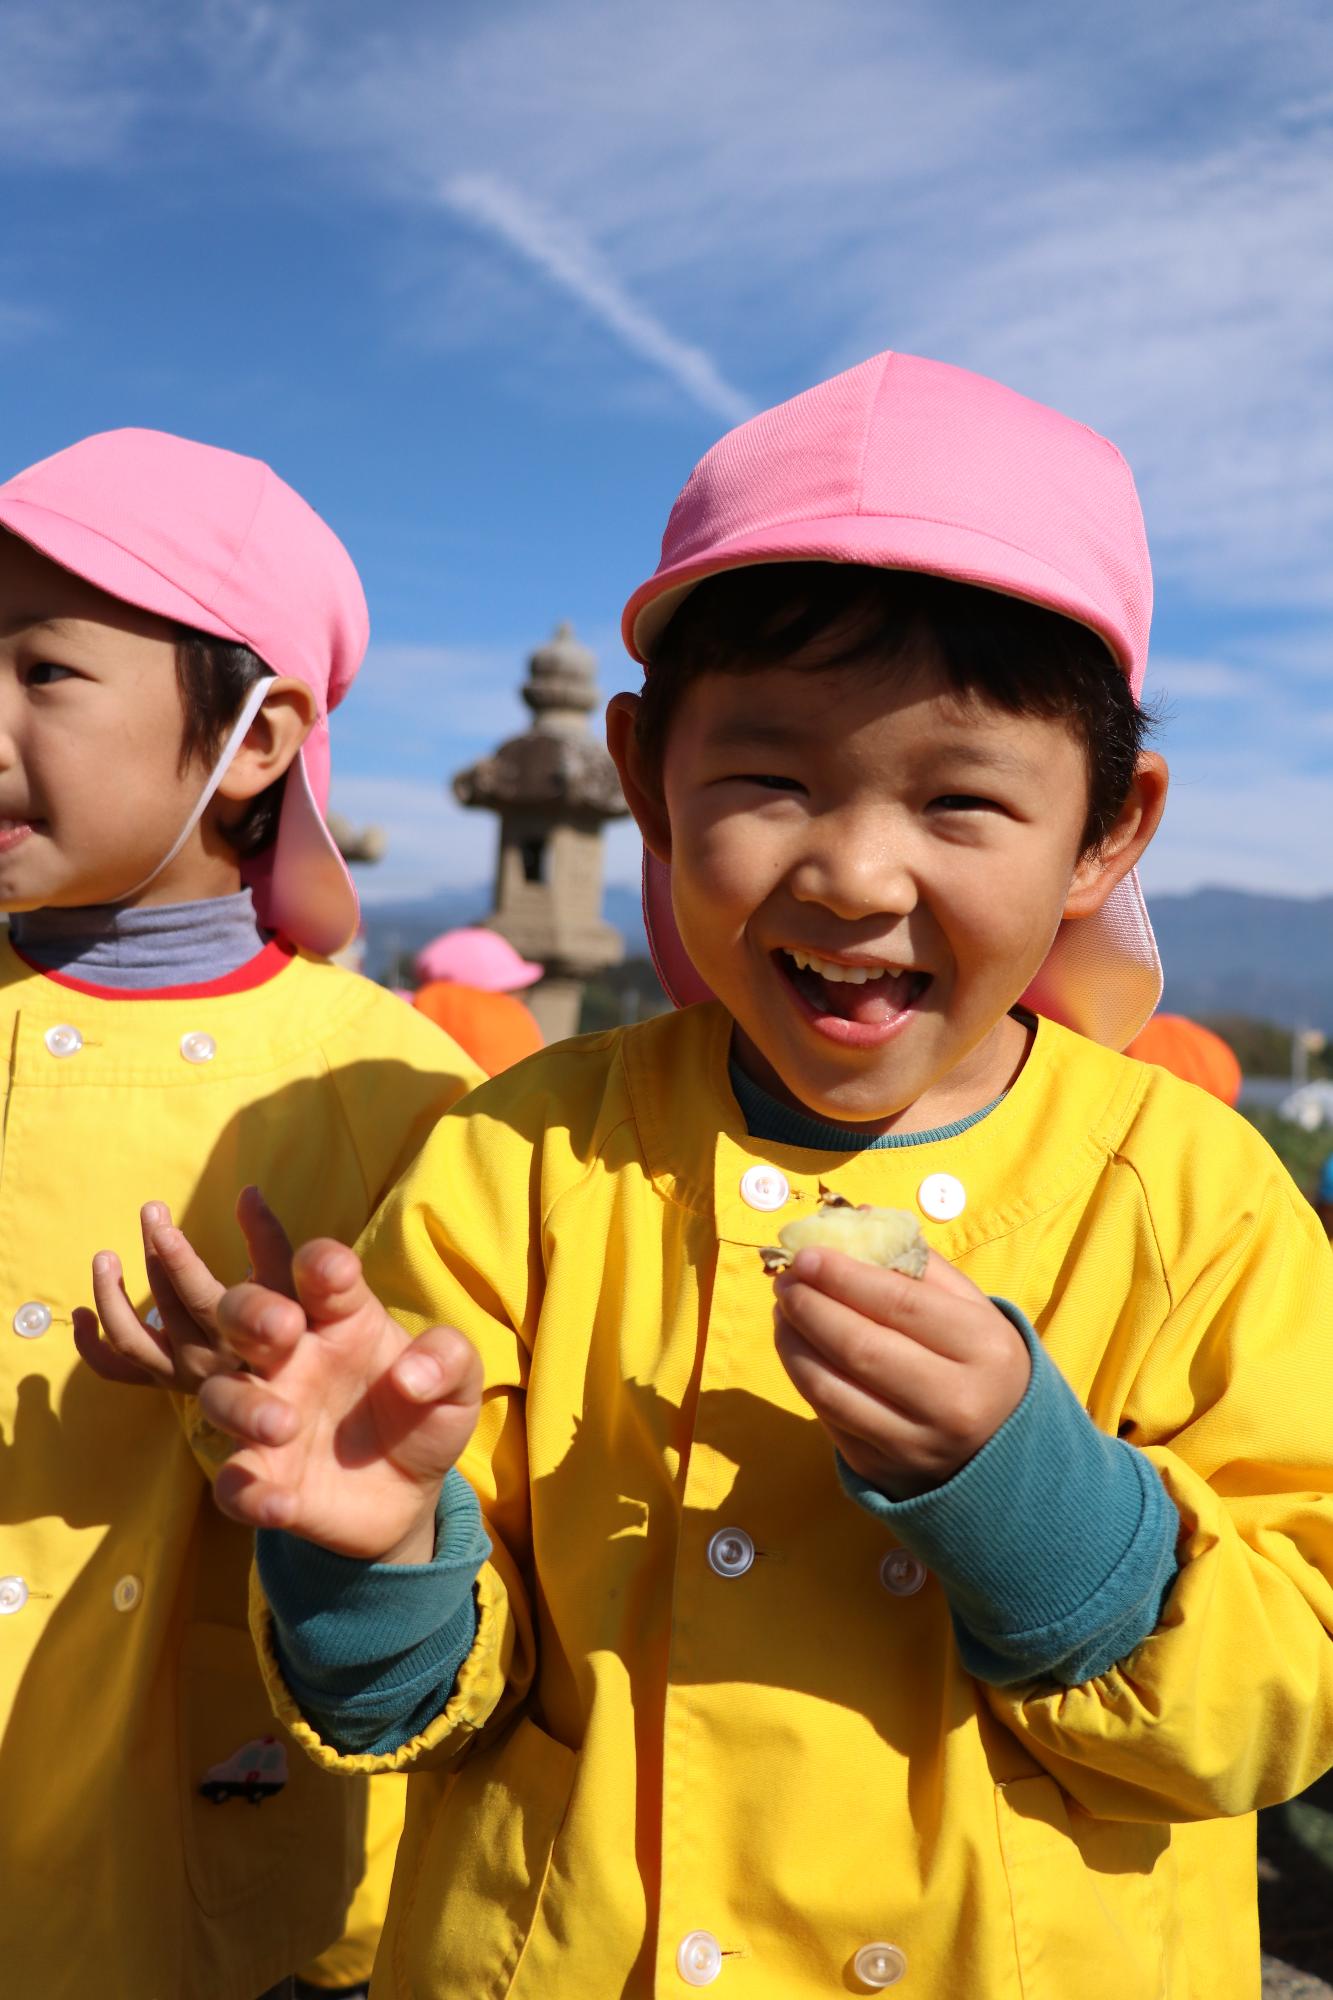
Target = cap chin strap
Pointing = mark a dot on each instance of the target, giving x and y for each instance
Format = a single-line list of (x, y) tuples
[(240, 729)]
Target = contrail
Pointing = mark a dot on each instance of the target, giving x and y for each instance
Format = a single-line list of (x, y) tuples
[(571, 262)]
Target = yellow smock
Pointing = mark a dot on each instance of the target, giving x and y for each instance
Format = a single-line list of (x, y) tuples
[(777, 1776), (126, 1671)]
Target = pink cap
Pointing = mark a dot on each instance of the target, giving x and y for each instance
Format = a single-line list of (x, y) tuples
[(902, 463), (218, 542), (479, 958)]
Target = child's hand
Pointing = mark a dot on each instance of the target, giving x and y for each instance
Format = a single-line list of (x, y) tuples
[(347, 1426), (184, 1347), (910, 1376)]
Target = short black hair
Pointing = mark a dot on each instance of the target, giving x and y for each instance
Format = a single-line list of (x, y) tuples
[(214, 677), (818, 615)]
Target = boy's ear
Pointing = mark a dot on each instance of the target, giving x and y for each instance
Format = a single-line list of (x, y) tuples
[(639, 781), (1097, 872), (271, 742)]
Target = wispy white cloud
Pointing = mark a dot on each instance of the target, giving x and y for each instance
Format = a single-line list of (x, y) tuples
[(1124, 213), (21, 322), (1176, 679), (71, 89), (1129, 220), (565, 256), (1252, 832), (446, 696), (431, 843), (452, 701), (1182, 303)]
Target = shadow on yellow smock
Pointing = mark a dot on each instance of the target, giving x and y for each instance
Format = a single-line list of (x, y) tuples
[(126, 1671), (350, 1961), (789, 1757)]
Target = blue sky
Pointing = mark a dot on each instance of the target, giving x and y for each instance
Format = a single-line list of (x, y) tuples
[(484, 280)]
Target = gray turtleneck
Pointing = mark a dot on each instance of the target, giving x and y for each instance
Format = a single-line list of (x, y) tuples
[(136, 950)]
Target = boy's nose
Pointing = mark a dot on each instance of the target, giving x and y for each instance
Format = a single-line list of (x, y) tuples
[(856, 872)]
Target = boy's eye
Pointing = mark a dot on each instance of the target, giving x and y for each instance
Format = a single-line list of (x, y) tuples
[(769, 781), (44, 673), (963, 802)]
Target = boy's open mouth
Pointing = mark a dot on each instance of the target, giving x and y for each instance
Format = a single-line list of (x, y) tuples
[(868, 996), (13, 832)]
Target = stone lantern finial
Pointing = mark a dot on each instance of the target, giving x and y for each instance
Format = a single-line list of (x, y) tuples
[(561, 687), (554, 787)]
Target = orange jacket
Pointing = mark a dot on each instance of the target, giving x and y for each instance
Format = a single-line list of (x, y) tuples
[(494, 1028)]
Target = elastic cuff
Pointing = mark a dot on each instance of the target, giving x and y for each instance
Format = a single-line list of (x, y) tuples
[(1055, 1545), (334, 1614)]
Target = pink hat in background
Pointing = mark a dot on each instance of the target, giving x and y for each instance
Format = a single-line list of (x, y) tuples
[(218, 542), (479, 958), (902, 463)]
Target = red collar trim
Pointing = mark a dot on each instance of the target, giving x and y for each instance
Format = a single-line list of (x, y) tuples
[(256, 971)]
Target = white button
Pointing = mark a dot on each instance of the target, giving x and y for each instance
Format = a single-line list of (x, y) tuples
[(879, 1965), (31, 1320), (699, 1958), (128, 1591), (153, 1318), (901, 1573), (764, 1187), (730, 1552), (941, 1197), (63, 1040), (198, 1047), (13, 1594)]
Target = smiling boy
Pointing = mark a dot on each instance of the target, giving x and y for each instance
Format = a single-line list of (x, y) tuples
[(939, 1632)]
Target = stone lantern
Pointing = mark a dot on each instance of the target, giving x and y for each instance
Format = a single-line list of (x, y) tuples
[(554, 788)]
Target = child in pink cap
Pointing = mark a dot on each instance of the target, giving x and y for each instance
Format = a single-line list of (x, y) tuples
[(175, 623), (938, 1628), (469, 986)]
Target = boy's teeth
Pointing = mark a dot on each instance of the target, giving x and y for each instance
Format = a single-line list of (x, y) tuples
[(850, 975)]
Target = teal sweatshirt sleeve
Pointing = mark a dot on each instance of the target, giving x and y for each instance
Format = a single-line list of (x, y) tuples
[(1055, 1546), (371, 1651)]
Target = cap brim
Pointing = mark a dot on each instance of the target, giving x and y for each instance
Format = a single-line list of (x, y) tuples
[(1102, 976), (936, 548), (101, 562), (302, 886)]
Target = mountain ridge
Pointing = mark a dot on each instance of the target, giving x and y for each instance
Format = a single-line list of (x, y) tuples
[(1225, 951)]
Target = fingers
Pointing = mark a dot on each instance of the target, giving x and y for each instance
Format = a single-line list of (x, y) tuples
[(939, 1311), (104, 1359), (817, 1337), (329, 1282), (260, 1327), (842, 1404), (923, 1349), (246, 1496), (267, 1241), (919, 1373), (245, 1408), (126, 1339), (184, 1289), (263, 1327), (352, 1460), (440, 1366)]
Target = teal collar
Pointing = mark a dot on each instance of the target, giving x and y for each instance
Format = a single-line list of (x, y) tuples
[(766, 1118)]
